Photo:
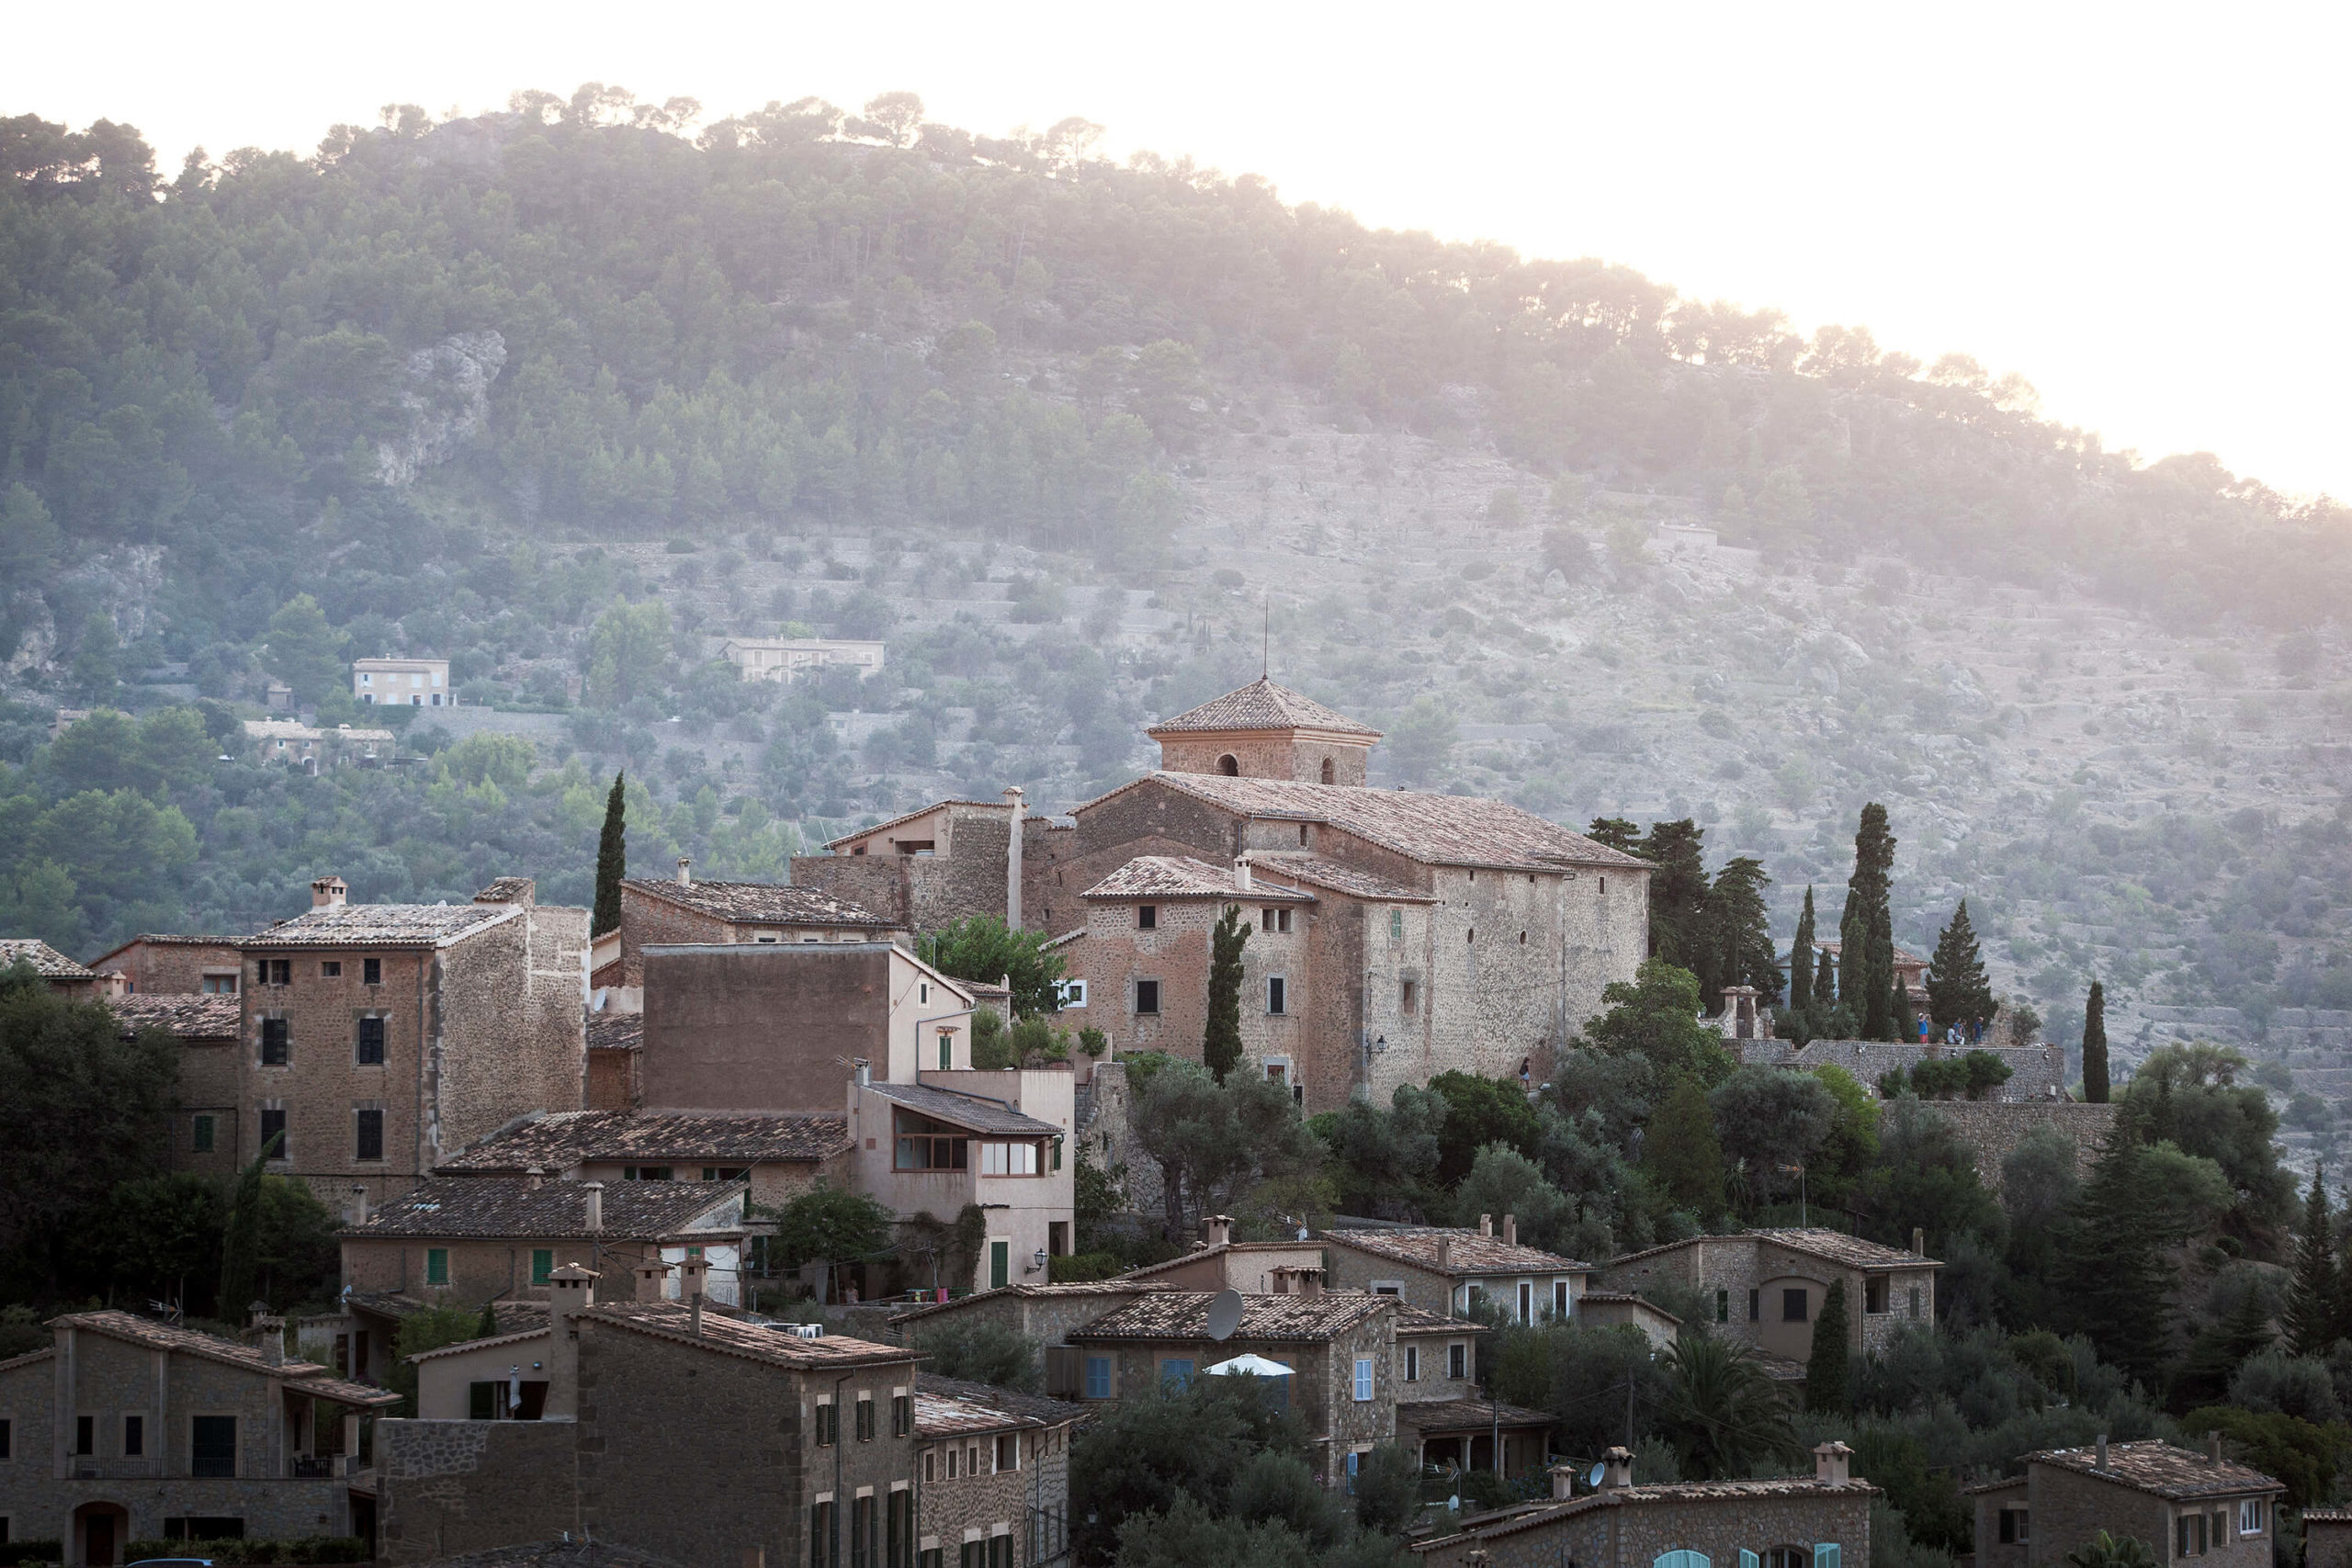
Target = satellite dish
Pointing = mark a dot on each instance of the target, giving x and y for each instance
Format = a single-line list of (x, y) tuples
[(1224, 1314), (1594, 1476)]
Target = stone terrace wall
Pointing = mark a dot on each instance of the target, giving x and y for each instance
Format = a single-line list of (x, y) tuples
[(1994, 1128), (448, 1487), (2037, 1072), (1104, 1127)]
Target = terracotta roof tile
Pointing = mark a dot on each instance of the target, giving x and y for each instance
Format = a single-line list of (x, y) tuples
[(484, 1343), (1121, 1287), (1834, 1246), (519, 1206), (1540, 1514), (2161, 1468), (1183, 1314), (51, 963), (1263, 705), (966, 1110), (1181, 876), (509, 890), (1467, 1252), (565, 1138), (1411, 1319), (188, 1015), (615, 1031), (306, 1375), (1427, 1415), (1318, 872), (763, 903), (380, 925), (947, 1405), (749, 1341), (1146, 1269), (852, 838)]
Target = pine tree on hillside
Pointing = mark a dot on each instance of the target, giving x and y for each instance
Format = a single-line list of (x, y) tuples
[(1828, 1371), (1958, 992), (2094, 1086), (2119, 1286), (2313, 1303), (612, 861), (1678, 893), (1616, 833), (1800, 961), (1221, 1041), (1739, 935)]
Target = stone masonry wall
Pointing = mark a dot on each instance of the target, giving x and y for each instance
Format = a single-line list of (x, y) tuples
[(2037, 1072), (1635, 1535), (974, 1506), (514, 1025), (650, 921), (444, 1488), (1994, 1128), (1106, 1128)]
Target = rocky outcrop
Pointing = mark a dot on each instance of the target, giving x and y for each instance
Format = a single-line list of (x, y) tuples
[(447, 401)]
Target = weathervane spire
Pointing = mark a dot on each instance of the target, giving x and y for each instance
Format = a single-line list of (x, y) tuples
[(1265, 636)]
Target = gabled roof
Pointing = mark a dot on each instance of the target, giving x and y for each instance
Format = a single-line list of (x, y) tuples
[(725, 1335), (381, 925), (1466, 1252), (156, 939), (1429, 1416), (1184, 1315), (1220, 1249), (1181, 876), (2170, 1472), (1263, 704), (51, 963), (1318, 872), (910, 816), (946, 1406), (1122, 1288), (1685, 1492), (965, 1110), (184, 1015), (1435, 829), (525, 1207), (306, 1376), (1411, 1319), (761, 902), (564, 1138), (1831, 1246), (486, 1342)]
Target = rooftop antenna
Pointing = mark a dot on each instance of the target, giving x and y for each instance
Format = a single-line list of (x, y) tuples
[(1265, 636)]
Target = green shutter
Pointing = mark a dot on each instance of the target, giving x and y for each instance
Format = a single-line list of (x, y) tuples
[(542, 1264), (1000, 1265), (436, 1265)]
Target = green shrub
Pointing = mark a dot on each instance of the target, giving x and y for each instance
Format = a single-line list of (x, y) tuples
[(36, 1551), (1079, 1269)]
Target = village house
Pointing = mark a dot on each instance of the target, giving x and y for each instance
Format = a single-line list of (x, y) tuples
[(129, 1430), (1044, 1313), (175, 965), (787, 659), (1766, 1287), (380, 1039), (470, 1239), (928, 869), (311, 747), (683, 912), (995, 1476), (205, 1105), (1797, 1523), (67, 978), (400, 682), (1447, 1270), (1218, 1262), (817, 1435), (780, 1155), (2185, 1506)]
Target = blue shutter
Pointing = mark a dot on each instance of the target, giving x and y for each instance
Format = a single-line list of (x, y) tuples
[(1748, 1559), (1825, 1555), (1682, 1559)]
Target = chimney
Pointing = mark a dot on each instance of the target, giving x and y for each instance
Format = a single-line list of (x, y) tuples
[(1241, 879), (864, 1072), (1617, 1468), (1444, 1252), (1511, 1230), (359, 1205), (273, 1345), (2102, 1450), (327, 893), (1486, 1225), (1919, 1242), (685, 871), (1564, 1483), (533, 1175), (1216, 1230), (1012, 832), (571, 1291), (690, 1279), (694, 1316), (2213, 1446), (652, 1281), (1833, 1462), (595, 1191), (1310, 1281)]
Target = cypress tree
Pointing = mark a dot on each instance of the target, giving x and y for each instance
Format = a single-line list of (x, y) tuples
[(1874, 978), (1680, 1152), (241, 1240), (1865, 956), (1898, 1006), (1958, 992), (2120, 1286), (2095, 1087), (612, 861), (1800, 961), (1828, 1380), (1221, 1041), (1825, 987), (2313, 1292)]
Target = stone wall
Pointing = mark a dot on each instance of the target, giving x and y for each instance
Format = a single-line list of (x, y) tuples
[(976, 1506), (1104, 1125), (2036, 1072), (1638, 1531), (1994, 1128), (443, 1488)]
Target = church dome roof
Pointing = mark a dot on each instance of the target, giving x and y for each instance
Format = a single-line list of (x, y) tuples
[(1263, 704)]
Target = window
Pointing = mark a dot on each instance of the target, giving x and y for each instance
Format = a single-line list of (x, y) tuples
[(2189, 1535), (7, 1438), (1409, 1003), (1826, 1555), (1009, 1159), (2014, 1527), (134, 1436), (1526, 1300), (330, 968), (1008, 1451), (1176, 1372), (1146, 995), (372, 971), (273, 1131), (1277, 994), (1396, 925), (371, 1041), (1792, 1305), (865, 1417), (725, 1172), (212, 1446), (274, 971), (1412, 1363), (277, 1043), (1057, 1165), (1147, 917), (219, 985), (861, 1532), (1073, 993), (85, 1435), (1355, 1460), (1098, 1377), (1755, 1306), (1915, 1302), (917, 1143), (1723, 1306), (900, 1546), (199, 1137), (824, 1546), (542, 1264), (436, 1265), (482, 1401), (1000, 1265), (1874, 1290), (829, 1424), (1363, 1379), (1457, 1361), (1605, 887), (648, 1173), (1330, 776), (1559, 1298), (369, 1141), (902, 1414), (2250, 1520), (946, 1049)]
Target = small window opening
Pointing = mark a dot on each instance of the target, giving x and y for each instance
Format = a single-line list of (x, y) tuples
[(1147, 917), (1330, 775), (1228, 766)]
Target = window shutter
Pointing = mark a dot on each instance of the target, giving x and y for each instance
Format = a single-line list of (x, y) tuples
[(1826, 1555)]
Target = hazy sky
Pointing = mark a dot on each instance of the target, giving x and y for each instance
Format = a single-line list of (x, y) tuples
[(2142, 209)]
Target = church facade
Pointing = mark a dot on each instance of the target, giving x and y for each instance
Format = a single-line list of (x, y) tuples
[(1393, 934)]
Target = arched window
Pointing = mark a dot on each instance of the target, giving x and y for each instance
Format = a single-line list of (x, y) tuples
[(1229, 766), (1789, 1556), (1330, 774)]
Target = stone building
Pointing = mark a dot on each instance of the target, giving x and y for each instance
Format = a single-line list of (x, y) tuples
[(687, 911), (938, 1144), (1441, 1270), (470, 1239), (400, 682), (1766, 1287), (697, 1439), (65, 978), (928, 869), (1047, 1314), (616, 1055), (1266, 731), (780, 1155), (127, 1429), (379, 1039), (787, 659), (995, 1473), (1796, 1523), (2327, 1537), (1218, 1262), (205, 1107), (312, 746), (2184, 1505), (154, 962)]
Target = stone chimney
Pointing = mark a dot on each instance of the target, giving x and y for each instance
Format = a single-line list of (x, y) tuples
[(1310, 1281), (1013, 846), (685, 871), (1616, 1468), (328, 892), (652, 1281), (533, 1176), (694, 1316), (2102, 1451), (1242, 880), (690, 1274), (571, 1291), (1564, 1483), (2213, 1446), (1511, 1230), (1444, 1252), (1486, 1225), (359, 1205), (595, 1191), (1833, 1462), (1919, 1242), (273, 1344), (864, 1071), (1216, 1230)]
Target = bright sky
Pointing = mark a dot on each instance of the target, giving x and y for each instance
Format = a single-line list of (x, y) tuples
[(2142, 209)]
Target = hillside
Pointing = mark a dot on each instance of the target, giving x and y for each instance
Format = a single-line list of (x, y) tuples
[(1073, 437)]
